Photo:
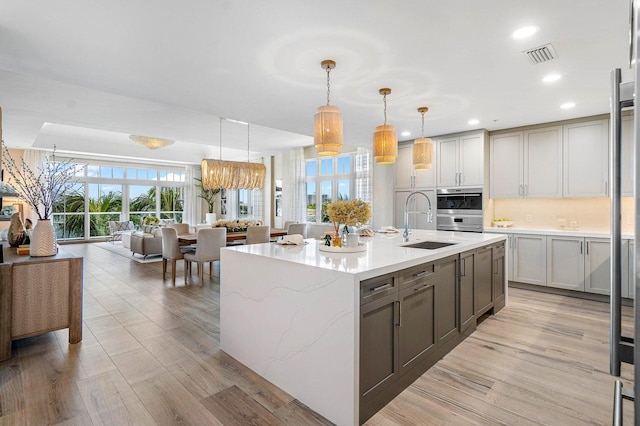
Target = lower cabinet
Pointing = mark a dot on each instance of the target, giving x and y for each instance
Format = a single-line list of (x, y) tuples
[(530, 259), (467, 281), (447, 319), (565, 262), (483, 289), (499, 290)]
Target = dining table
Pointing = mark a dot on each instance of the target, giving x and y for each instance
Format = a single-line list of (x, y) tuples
[(192, 237)]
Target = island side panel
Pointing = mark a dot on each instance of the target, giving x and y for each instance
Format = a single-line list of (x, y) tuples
[(296, 326)]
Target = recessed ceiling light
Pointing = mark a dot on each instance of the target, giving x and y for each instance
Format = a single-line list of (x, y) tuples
[(405, 133), (551, 78), (524, 32), (567, 105), (473, 122)]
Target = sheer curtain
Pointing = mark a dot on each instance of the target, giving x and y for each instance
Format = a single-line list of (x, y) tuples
[(34, 160), (192, 213), (363, 176), (294, 203), (257, 204)]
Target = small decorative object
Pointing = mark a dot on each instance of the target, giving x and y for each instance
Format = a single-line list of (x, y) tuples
[(151, 221), (348, 213), (327, 240), (353, 240), (502, 223), (41, 189), (238, 225), (16, 234), (336, 240), (209, 195)]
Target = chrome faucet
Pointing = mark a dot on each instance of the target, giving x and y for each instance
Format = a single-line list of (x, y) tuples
[(405, 235)]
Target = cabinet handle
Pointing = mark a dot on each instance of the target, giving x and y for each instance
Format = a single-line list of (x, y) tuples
[(587, 247), (581, 247), (526, 190), (520, 189), (380, 288), (460, 180), (463, 268), (515, 242), (399, 323), (424, 287), (421, 274)]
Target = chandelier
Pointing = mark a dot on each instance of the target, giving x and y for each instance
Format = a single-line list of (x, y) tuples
[(232, 174), (385, 141), (151, 143), (328, 122), (422, 148)]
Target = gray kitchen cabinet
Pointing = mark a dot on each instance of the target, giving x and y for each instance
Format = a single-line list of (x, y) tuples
[(586, 159), (483, 286), (418, 203), (530, 259), (597, 266), (406, 176), (565, 262), (497, 277), (467, 279), (460, 160), (446, 298), (527, 164), (510, 249)]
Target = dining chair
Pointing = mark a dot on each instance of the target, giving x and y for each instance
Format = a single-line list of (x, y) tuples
[(297, 228), (257, 234), (288, 223), (210, 240), (181, 228), (170, 251)]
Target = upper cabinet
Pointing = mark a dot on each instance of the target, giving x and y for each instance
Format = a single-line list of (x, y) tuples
[(586, 159), (460, 161), (556, 161), (527, 164), (406, 176)]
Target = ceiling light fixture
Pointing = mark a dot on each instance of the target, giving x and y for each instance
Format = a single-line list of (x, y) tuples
[(473, 122), (150, 142), (422, 148), (385, 140), (524, 32), (217, 174), (405, 133), (328, 121), (567, 105), (551, 78)]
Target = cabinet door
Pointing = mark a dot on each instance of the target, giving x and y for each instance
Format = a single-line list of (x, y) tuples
[(467, 307), (447, 164), (511, 255), (379, 364), (446, 292), (627, 156), (586, 159), (597, 277), (483, 288), (565, 262), (497, 277), (404, 167), (417, 324), (530, 259), (418, 203), (471, 160), (506, 172), (543, 163)]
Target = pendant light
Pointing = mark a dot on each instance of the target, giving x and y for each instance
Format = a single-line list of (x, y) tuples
[(422, 148), (385, 140), (328, 121)]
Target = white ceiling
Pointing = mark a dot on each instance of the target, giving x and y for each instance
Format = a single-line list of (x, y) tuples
[(84, 75)]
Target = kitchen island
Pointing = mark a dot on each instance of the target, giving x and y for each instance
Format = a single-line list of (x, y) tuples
[(301, 317)]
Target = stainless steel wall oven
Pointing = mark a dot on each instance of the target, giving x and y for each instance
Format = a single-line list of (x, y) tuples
[(460, 209)]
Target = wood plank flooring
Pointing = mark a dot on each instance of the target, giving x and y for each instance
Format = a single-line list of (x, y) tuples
[(150, 355)]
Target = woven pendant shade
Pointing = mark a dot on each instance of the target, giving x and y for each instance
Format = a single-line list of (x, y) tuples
[(232, 174), (422, 154), (385, 144), (328, 130)]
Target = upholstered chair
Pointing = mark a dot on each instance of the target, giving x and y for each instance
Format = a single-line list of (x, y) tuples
[(170, 251), (289, 222), (297, 228), (181, 228), (258, 234), (210, 240)]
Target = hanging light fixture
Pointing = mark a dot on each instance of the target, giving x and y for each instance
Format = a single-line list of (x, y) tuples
[(232, 174), (150, 142), (328, 121), (385, 140), (422, 148)]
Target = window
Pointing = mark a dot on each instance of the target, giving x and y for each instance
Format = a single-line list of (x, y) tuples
[(327, 179)]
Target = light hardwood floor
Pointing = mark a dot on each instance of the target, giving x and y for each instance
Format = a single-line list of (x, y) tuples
[(150, 355)]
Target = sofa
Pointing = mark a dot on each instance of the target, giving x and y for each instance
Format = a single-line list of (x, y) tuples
[(147, 241)]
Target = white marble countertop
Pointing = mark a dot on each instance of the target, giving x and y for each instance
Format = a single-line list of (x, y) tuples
[(551, 231), (385, 252)]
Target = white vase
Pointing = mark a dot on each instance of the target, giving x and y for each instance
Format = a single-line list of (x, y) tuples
[(43, 239), (211, 218)]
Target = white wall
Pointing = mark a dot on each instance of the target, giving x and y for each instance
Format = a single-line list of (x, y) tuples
[(383, 176)]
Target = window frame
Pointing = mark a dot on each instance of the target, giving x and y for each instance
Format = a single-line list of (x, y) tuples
[(333, 177)]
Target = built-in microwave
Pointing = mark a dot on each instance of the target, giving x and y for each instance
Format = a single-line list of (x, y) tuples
[(459, 209)]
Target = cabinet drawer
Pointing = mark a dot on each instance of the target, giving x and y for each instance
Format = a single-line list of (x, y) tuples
[(498, 251), (377, 288), (416, 275)]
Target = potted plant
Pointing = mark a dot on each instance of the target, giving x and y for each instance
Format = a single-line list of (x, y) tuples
[(209, 196), (41, 188), (348, 213)]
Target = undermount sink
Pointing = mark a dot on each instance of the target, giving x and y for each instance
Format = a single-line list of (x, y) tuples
[(429, 245)]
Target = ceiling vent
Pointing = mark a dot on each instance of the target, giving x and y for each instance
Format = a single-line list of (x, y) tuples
[(540, 54)]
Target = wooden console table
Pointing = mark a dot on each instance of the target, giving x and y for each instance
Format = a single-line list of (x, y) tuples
[(39, 295)]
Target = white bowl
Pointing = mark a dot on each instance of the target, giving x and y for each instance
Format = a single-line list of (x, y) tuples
[(503, 224)]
